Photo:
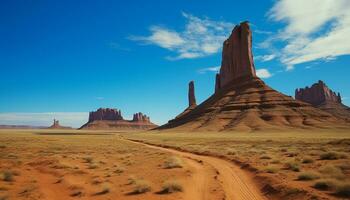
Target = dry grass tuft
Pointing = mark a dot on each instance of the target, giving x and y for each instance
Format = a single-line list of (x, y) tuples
[(330, 171), (171, 187), (306, 176), (332, 156), (307, 160), (270, 169), (141, 186), (292, 165), (173, 162), (6, 176)]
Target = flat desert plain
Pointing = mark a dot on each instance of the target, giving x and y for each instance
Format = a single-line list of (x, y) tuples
[(70, 164)]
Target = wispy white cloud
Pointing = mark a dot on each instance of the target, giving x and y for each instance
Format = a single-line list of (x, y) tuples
[(263, 73), (315, 30), (209, 69), (99, 98), (201, 37), (74, 119), (265, 58)]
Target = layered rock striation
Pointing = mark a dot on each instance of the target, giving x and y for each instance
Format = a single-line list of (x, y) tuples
[(107, 118), (242, 101), (320, 96)]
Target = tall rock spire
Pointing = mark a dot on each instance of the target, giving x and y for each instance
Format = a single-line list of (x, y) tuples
[(217, 82), (237, 57), (191, 95)]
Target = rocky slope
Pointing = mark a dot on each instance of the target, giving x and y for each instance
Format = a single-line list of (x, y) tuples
[(320, 96), (242, 101)]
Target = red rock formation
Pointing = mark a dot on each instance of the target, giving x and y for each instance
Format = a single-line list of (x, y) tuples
[(56, 125), (139, 117), (105, 114), (191, 95), (217, 82), (106, 118), (320, 96), (242, 101), (237, 58), (317, 94)]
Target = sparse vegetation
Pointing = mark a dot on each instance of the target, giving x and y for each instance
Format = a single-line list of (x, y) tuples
[(173, 162), (105, 189), (306, 176), (324, 184), (270, 169), (141, 186), (292, 165), (307, 160), (171, 186), (7, 176), (265, 157), (332, 156), (330, 171), (343, 189)]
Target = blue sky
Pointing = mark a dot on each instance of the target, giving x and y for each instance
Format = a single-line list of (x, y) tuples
[(65, 58)]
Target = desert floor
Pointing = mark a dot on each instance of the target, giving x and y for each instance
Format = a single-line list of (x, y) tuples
[(66, 164)]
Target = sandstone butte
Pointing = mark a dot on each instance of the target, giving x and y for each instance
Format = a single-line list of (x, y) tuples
[(242, 101), (108, 118), (56, 125), (320, 96)]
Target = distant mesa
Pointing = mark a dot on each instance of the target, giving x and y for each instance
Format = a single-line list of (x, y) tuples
[(56, 125), (108, 118), (242, 101), (320, 96)]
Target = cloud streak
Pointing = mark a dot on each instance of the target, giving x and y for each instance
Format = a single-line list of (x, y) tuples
[(263, 73), (201, 37), (209, 69), (315, 30)]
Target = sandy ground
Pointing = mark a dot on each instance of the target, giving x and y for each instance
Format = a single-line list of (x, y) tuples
[(57, 165), (66, 164), (235, 182)]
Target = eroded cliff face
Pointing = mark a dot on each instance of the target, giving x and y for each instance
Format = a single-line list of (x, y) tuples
[(105, 114), (191, 95), (321, 96), (317, 94), (109, 118), (237, 58), (139, 117), (242, 101)]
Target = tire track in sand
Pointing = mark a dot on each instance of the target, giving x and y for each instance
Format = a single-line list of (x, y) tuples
[(236, 183)]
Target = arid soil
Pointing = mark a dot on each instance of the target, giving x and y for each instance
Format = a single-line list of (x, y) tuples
[(285, 165), (48, 164), (67, 164)]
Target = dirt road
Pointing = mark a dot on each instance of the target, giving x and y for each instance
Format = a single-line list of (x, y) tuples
[(236, 184)]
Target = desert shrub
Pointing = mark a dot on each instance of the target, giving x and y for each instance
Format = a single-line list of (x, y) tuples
[(105, 189), (330, 171), (93, 166), (270, 169), (306, 176), (6, 176), (119, 170), (292, 191), (307, 160), (88, 159), (131, 180), (265, 157), (332, 156), (324, 184), (275, 161), (3, 197), (343, 189), (141, 186), (173, 162), (171, 187), (292, 165)]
